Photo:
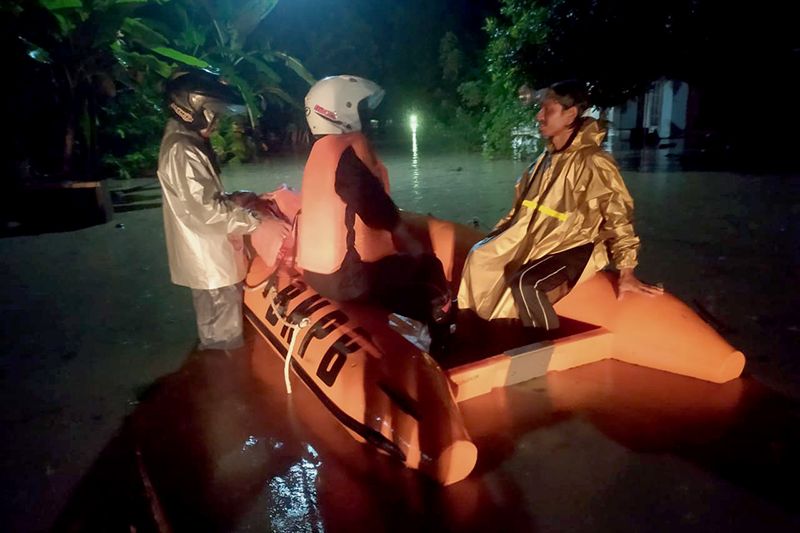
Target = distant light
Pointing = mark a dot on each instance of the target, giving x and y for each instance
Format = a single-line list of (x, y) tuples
[(412, 120), (249, 442)]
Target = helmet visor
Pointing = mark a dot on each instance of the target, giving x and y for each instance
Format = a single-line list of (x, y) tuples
[(375, 99), (224, 108)]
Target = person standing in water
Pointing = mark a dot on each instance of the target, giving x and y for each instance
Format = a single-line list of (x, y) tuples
[(203, 225)]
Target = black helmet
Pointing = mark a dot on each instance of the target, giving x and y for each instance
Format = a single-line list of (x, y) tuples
[(197, 97)]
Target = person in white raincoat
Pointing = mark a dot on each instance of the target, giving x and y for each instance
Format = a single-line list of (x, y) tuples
[(203, 225)]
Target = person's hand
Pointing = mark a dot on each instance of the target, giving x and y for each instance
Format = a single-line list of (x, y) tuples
[(629, 283)]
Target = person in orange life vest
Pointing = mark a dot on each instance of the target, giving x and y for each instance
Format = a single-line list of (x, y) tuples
[(350, 230)]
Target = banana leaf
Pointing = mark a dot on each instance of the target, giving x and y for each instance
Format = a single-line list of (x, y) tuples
[(295, 66), (180, 57), (141, 33), (263, 68)]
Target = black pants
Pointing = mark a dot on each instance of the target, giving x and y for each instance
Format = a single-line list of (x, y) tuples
[(540, 283), (413, 286)]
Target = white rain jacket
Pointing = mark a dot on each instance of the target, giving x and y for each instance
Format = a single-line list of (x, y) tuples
[(203, 229)]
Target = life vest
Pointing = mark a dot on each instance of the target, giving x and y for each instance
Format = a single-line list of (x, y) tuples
[(322, 232)]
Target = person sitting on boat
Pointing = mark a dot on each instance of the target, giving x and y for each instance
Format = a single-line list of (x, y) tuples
[(203, 225), (352, 244), (571, 207)]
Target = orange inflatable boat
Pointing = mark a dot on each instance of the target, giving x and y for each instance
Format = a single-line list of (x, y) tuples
[(386, 391)]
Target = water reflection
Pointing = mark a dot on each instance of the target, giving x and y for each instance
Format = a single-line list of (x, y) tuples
[(415, 187), (293, 503), (668, 155), (219, 446)]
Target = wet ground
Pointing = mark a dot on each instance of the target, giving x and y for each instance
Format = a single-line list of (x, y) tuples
[(110, 419)]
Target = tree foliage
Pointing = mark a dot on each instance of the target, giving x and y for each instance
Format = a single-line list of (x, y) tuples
[(71, 40), (619, 47), (419, 51), (98, 68)]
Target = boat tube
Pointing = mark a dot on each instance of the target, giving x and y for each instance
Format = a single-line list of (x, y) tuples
[(382, 388), (387, 391)]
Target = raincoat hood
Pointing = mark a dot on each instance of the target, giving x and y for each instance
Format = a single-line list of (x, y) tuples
[(589, 133)]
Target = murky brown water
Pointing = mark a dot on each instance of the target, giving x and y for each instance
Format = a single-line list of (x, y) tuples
[(91, 318), (609, 447)]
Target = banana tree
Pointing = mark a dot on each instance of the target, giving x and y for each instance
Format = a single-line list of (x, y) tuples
[(93, 48), (217, 34), (76, 46), (245, 60)]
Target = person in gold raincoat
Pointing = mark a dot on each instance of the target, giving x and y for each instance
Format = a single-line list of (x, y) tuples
[(571, 211)]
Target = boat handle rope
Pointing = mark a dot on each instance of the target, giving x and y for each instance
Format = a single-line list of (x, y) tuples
[(280, 311), (295, 327)]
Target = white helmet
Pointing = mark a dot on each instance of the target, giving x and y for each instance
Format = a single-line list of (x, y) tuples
[(333, 104)]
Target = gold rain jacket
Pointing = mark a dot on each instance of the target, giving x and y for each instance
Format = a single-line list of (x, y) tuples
[(203, 229), (565, 199)]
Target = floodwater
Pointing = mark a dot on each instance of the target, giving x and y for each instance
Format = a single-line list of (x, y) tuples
[(606, 447), (113, 422)]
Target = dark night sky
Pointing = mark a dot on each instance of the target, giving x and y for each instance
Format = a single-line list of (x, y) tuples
[(396, 42), (367, 37)]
